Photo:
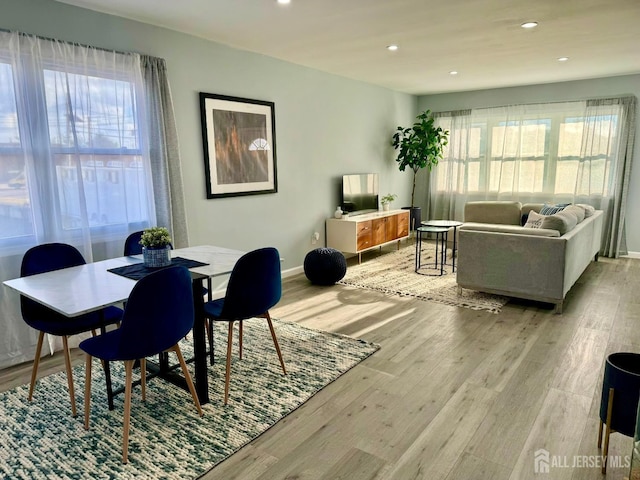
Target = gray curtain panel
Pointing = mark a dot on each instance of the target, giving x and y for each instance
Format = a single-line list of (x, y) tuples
[(164, 150)]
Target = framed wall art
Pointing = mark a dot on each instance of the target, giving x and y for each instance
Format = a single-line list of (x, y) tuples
[(239, 141)]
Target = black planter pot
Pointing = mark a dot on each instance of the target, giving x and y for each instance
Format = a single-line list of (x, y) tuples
[(415, 217)]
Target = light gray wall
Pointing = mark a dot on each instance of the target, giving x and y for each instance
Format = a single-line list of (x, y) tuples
[(326, 125), (578, 90)]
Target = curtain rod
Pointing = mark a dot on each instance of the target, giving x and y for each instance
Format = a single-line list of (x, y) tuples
[(50, 39)]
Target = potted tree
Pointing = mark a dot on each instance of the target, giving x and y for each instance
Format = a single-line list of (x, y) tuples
[(419, 146), (156, 247), (386, 200)]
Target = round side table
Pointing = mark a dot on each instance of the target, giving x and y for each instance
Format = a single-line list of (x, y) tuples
[(441, 236), (447, 224)]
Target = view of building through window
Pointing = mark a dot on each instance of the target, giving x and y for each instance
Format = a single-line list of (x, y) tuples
[(87, 151)]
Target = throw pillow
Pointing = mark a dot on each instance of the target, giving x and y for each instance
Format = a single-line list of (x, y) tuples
[(551, 209), (534, 220), (577, 210), (562, 221), (588, 209)]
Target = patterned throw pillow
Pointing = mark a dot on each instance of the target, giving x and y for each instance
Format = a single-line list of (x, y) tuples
[(534, 220), (551, 209)]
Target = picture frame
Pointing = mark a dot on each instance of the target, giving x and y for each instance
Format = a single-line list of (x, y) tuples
[(239, 143)]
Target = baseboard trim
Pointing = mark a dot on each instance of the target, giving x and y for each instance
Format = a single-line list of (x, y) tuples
[(290, 272), (632, 255)]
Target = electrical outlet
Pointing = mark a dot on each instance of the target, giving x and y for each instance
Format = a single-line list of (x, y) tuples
[(315, 237)]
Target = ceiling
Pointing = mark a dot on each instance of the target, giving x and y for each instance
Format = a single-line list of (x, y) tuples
[(480, 39)]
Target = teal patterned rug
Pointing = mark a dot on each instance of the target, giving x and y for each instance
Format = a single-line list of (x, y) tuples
[(41, 440)]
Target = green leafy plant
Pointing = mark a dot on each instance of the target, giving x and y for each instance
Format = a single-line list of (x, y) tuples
[(388, 198), (155, 237), (419, 146)]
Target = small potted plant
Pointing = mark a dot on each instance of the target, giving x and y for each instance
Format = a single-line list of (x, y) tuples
[(156, 247), (386, 201)]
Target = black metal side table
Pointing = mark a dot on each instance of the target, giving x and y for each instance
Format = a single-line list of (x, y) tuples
[(447, 224), (441, 236)]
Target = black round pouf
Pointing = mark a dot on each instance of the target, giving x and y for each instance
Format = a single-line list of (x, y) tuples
[(325, 266)]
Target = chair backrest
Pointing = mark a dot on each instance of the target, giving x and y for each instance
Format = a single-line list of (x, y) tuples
[(132, 244), (255, 284), (46, 258), (158, 313)]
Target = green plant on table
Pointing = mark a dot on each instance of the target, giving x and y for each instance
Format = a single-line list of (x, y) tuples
[(388, 198), (155, 237)]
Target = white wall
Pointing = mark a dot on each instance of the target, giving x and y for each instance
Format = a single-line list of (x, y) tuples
[(578, 90), (326, 125)]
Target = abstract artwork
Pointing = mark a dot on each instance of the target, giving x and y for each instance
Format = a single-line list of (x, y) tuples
[(238, 136)]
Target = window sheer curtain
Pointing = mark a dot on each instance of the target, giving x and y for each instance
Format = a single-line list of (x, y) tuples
[(578, 152), (78, 157)]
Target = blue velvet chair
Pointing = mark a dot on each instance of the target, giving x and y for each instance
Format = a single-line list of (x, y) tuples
[(158, 314), (132, 244), (45, 258), (255, 285)]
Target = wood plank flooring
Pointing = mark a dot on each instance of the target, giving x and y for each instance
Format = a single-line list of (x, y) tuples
[(453, 393)]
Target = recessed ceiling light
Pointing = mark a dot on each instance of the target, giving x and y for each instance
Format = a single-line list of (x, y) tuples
[(453, 72), (392, 48), (284, 2), (563, 59), (529, 25)]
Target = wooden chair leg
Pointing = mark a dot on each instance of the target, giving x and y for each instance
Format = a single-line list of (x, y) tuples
[(36, 362), (143, 378), (227, 374), (187, 377), (600, 434), (275, 341), (67, 363), (128, 367), (87, 391), (605, 452), (240, 336)]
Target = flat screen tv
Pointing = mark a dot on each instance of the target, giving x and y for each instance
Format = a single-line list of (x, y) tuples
[(360, 193)]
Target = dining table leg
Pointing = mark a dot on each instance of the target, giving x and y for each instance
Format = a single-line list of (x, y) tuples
[(199, 343)]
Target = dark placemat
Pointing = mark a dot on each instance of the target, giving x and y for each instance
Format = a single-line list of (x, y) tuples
[(138, 270)]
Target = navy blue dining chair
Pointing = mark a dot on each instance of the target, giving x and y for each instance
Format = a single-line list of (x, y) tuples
[(46, 258), (158, 314), (132, 244), (255, 285)]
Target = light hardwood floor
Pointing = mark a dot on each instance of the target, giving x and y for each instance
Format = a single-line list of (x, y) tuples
[(453, 393)]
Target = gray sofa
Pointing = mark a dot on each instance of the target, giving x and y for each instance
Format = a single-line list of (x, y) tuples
[(498, 255)]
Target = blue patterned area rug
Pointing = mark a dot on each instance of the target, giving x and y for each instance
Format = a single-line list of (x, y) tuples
[(168, 440)]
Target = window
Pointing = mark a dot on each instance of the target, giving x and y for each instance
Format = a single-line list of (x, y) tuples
[(71, 152), (537, 155)]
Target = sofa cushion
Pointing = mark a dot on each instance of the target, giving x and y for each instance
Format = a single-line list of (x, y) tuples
[(499, 212), (562, 221), (512, 229)]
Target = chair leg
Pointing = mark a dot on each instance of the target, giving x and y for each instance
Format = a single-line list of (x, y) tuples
[(187, 377), (227, 374), (67, 363), (87, 391), (275, 341), (605, 452), (36, 362), (128, 367), (143, 378), (240, 332)]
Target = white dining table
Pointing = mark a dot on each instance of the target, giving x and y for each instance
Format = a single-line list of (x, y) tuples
[(86, 288)]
